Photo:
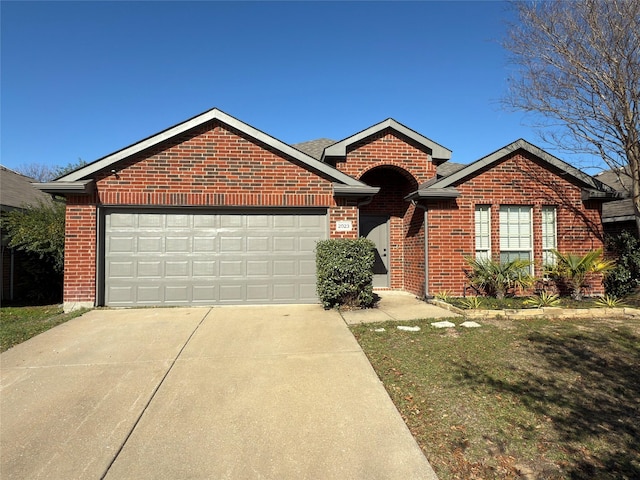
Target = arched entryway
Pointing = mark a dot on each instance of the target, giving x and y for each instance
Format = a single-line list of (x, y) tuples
[(388, 221)]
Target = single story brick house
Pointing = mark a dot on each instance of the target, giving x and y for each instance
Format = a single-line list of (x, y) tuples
[(215, 211)]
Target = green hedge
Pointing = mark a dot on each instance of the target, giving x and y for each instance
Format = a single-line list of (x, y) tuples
[(345, 272)]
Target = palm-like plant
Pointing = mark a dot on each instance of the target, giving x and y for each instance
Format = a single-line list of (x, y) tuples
[(497, 279), (572, 269)]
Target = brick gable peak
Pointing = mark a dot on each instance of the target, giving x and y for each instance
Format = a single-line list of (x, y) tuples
[(438, 153)]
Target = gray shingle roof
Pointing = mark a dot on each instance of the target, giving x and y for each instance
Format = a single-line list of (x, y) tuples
[(620, 210), (619, 181), (16, 190), (314, 148), (448, 168)]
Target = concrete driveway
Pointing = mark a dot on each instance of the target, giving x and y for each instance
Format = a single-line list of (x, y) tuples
[(277, 392)]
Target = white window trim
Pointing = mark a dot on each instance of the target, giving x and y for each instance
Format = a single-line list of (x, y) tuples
[(480, 251), (531, 242), (546, 250)]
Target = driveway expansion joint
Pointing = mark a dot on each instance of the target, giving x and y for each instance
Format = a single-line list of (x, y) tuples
[(153, 394)]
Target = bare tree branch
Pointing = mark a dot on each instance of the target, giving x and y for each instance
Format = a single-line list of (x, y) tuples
[(578, 65)]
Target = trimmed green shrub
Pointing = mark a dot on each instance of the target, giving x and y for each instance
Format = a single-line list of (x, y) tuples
[(345, 272), (624, 278)]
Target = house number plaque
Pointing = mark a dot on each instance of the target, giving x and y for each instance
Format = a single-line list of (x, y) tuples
[(344, 226)]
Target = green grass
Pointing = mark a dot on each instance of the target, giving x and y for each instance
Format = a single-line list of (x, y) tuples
[(18, 324), (555, 399)]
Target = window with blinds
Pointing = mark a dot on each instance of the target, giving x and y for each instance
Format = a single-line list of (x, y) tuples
[(549, 235), (483, 232), (516, 237)]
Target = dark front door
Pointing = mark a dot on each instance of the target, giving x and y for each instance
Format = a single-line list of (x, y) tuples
[(376, 229)]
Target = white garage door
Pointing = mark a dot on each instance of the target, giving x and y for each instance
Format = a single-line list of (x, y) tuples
[(185, 258)]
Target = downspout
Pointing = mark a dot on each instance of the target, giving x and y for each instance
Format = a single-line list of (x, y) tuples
[(426, 248)]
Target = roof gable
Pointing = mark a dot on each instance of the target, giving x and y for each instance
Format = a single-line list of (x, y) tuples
[(438, 153), (476, 167), (87, 171)]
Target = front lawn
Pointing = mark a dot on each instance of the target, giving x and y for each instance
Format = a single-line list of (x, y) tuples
[(18, 324), (517, 399)]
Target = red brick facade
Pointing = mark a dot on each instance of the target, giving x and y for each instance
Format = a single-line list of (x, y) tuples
[(217, 165), (397, 165), (214, 166), (520, 179)]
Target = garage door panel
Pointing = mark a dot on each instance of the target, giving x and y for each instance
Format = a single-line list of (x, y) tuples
[(308, 268), (177, 221), (121, 244), (176, 294), (204, 268), (284, 244), (231, 244), (284, 292), (205, 294), (148, 294), (259, 268), (232, 293), (285, 268), (231, 268), (257, 244), (148, 245), (204, 244), (149, 221), (257, 221), (176, 269), (177, 245), (307, 290), (210, 258), (284, 221), (123, 220), (122, 269), (231, 221)]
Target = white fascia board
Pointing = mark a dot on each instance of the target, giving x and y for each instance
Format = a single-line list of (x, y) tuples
[(339, 149), (194, 122)]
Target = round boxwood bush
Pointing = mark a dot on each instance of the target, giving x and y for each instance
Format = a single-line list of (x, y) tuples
[(345, 272)]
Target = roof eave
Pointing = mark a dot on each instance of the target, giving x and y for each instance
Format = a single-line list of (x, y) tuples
[(622, 218), (603, 196), (81, 187), (341, 190), (433, 194)]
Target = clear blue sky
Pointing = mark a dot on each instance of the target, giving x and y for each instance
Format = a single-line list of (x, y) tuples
[(83, 79)]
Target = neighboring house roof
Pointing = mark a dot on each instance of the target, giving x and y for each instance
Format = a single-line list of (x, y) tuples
[(440, 187), (314, 148), (439, 154), (618, 179), (80, 180), (618, 211), (17, 191), (621, 210)]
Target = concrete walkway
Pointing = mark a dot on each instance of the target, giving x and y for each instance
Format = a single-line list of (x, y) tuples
[(277, 392), (398, 306)]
